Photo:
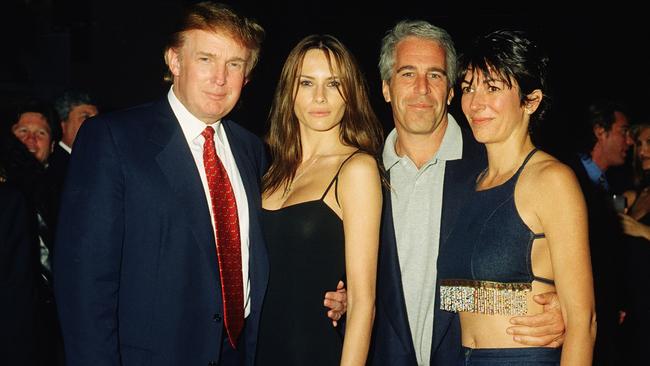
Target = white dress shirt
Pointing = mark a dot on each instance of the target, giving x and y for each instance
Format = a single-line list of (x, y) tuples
[(65, 147), (192, 128)]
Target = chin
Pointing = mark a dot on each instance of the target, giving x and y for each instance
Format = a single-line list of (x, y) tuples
[(479, 137)]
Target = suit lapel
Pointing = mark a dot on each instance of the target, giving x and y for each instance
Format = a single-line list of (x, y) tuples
[(391, 275), (451, 201), (452, 196), (177, 164), (247, 165), (459, 181)]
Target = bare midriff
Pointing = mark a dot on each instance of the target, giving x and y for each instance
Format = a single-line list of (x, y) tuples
[(489, 331)]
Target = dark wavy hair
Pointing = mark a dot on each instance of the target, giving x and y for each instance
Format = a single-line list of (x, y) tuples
[(515, 58), (359, 125), (599, 113), (68, 100), (641, 177)]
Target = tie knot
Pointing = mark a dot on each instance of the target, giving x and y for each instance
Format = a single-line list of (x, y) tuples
[(208, 133)]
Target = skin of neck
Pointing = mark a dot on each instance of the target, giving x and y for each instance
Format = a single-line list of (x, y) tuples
[(420, 148), (599, 157), (67, 140), (500, 155), (319, 143)]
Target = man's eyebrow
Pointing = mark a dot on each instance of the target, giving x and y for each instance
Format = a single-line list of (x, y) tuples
[(239, 59), (203, 53), (411, 67), (405, 67)]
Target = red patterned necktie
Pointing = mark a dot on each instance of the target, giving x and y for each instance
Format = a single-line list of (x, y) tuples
[(226, 220)]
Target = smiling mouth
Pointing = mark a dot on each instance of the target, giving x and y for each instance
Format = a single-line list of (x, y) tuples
[(420, 106), (480, 121), (215, 96)]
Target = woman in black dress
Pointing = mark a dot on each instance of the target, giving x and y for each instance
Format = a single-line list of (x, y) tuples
[(322, 205)]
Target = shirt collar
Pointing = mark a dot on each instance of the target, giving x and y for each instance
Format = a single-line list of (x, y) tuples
[(389, 156), (451, 147), (192, 127), (65, 147), (593, 171)]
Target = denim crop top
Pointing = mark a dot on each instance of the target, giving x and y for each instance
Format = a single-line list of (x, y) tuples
[(485, 264)]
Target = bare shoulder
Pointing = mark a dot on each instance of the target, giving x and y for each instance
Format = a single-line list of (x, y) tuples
[(547, 178), (359, 166), (546, 171), (359, 181), (359, 189)]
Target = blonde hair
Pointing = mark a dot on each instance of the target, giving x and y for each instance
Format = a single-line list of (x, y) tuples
[(215, 17)]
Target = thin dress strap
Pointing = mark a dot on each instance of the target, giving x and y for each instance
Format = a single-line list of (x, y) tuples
[(535, 235), (544, 280), (336, 179), (530, 155)]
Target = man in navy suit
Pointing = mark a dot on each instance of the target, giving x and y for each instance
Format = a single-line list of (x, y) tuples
[(137, 275), (432, 163), (73, 109)]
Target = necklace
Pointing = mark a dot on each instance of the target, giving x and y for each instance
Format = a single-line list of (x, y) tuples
[(287, 190)]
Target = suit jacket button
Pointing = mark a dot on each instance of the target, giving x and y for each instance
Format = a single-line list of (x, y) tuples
[(216, 317), (212, 363)]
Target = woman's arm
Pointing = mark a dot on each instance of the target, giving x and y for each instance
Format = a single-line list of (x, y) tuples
[(630, 199), (633, 227), (562, 212), (359, 192), (640, 206)]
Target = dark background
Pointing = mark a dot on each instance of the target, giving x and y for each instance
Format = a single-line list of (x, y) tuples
[(113, 50)]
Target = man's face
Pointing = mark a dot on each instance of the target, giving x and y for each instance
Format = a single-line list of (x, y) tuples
[(209, 73), (33, 131), (615, 142), (419, 90), (76, 117)]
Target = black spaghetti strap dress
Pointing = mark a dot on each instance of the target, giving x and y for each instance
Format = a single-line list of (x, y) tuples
[(306, 248)]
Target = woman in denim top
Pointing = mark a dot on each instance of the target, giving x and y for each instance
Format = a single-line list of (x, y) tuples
[(524, 231)]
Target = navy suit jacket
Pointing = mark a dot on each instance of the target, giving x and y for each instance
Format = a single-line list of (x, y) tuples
[(392, 343), (136, 278), (55, 177)]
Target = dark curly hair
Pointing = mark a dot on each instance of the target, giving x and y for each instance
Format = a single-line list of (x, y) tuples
[(514, 57)]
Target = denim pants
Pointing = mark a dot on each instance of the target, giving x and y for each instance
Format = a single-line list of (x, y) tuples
[(530, 356)]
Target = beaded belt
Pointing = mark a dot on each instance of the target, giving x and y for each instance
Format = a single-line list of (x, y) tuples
[(484, 297)]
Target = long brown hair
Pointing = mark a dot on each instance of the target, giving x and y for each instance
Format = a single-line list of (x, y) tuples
[(637, 164), (359, 126)]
